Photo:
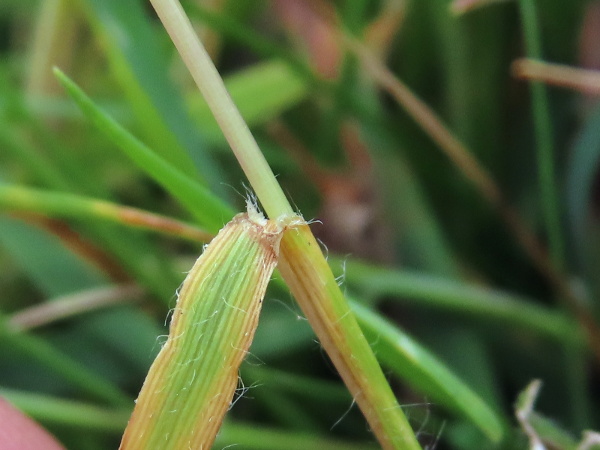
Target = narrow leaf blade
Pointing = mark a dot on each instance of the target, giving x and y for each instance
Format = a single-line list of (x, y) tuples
[(425, 372), (206, 207)]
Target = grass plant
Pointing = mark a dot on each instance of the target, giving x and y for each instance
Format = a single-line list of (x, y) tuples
[(455, 263)]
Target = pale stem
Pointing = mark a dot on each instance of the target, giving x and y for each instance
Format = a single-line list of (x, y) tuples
[(228, 117), (583, 80), (71, 305)]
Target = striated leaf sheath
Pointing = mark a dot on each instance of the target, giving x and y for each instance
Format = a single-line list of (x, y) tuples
[(190, 385)]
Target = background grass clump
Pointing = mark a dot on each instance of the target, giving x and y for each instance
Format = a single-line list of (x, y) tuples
[(457, 203)]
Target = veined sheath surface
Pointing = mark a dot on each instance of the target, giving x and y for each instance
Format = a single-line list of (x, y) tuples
[(191, 383)]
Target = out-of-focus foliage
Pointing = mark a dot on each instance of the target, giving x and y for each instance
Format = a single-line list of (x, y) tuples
[(414, 240)]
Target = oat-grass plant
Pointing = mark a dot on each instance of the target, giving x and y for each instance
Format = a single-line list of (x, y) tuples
[(385, 120)]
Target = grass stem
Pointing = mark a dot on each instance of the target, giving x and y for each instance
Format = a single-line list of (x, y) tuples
[(232, 124), (70, 206), (586, 81)]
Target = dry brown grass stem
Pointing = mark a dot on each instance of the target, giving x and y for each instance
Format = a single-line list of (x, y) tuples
[(583, 80), (71, 305)]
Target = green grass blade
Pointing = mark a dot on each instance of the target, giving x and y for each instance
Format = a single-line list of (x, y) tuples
[(443, 294), (206, 208), (141, 65), (256, 437), (61, 205), (549, 187), (58, 411), (152, 270), (68, 413), (424, 372)]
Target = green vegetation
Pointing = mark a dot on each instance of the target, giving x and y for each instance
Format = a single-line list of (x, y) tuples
[(457, 207)]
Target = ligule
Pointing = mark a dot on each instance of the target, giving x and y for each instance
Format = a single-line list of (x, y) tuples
[(190, 385)]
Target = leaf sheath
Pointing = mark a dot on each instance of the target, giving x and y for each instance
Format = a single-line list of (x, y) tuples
[(192, 381), (313, 285)]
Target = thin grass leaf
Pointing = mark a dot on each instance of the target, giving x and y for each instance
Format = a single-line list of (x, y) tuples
[(206, 207), (58, 411), (550, 199), (424, 372), (447, 295), (52, 42), (586, 81), (60, 308), (256, 437), (464, 160), (140, 64), (61, 205), (191, 384), (230, 121), (68, 413), (155, 273)]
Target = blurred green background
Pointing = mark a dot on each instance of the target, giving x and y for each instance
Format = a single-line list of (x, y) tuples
[(412, 238)]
